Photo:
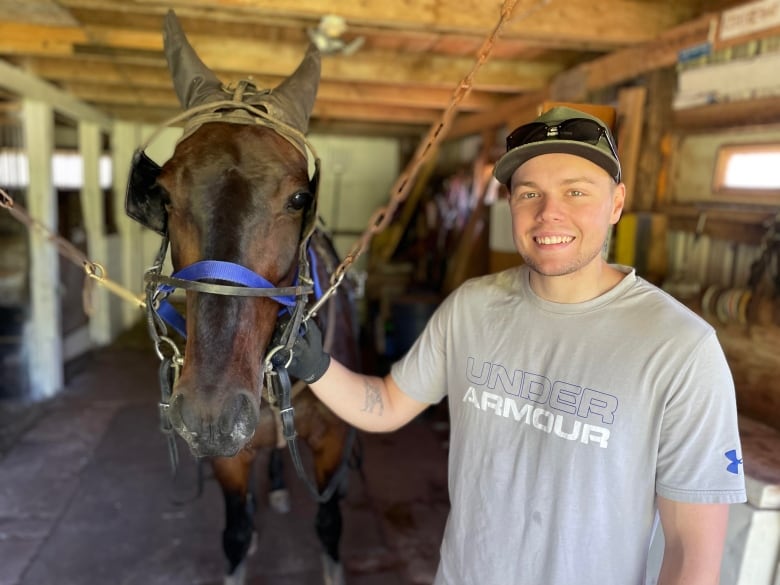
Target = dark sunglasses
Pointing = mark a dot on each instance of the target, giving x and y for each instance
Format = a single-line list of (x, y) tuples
[(576, 129)]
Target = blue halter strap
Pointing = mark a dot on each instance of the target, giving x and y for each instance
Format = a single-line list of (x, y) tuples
[(227, 272)]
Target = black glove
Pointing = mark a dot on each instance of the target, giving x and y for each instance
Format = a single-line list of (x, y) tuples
[(309, 361)]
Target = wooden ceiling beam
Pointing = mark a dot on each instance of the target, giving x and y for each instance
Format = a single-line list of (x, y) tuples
[(374, 113), (323, 109), (74, 71), (619, 22), (20, 38), (230, 54), (617, 67), (199, 20), (316, 125), (21, 83)]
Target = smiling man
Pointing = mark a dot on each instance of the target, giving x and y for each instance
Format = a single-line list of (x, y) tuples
[(584, 402)]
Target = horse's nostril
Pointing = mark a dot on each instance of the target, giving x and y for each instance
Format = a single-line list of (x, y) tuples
[(239, 417), (182, 415), (211, 435)]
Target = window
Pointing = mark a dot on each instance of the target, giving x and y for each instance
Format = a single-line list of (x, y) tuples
[(748, 173)]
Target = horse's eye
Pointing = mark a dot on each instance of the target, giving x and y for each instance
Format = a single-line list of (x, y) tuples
[(300, 200)]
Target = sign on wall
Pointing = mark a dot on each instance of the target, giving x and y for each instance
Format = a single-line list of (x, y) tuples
[(749, 19)]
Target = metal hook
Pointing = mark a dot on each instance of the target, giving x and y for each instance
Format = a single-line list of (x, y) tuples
[(176, 358), (268, 366)]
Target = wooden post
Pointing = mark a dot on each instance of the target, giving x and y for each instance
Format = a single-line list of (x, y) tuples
[(650, 167), (43, 337), (631, 110), (130, 267), (94, 214)]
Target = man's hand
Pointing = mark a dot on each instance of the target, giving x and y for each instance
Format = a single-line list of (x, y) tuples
[(309, 361)]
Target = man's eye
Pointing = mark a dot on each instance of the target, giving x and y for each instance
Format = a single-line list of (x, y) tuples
[(576, 193)]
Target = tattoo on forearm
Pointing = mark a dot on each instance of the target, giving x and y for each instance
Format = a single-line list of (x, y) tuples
[(373, 399)]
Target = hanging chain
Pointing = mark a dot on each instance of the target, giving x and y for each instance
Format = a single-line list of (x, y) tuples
[(404, 183), (377, 223)]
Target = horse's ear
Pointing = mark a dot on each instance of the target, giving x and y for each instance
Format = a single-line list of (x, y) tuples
[(193, 81), (295, 95), (291, 101)]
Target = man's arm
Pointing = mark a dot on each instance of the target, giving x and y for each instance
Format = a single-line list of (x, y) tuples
[(694, 537), (366, 402)]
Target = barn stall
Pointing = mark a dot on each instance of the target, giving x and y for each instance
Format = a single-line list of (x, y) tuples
[(84, 84)]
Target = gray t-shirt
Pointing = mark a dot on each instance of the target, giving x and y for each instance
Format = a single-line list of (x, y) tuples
[(566, 421)]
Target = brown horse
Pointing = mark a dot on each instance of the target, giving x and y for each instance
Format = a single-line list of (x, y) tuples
[(238, 197)]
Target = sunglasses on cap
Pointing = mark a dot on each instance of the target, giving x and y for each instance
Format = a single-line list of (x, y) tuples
[(576, 129)]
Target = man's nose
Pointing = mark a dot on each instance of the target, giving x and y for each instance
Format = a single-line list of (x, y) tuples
[(550, 208)]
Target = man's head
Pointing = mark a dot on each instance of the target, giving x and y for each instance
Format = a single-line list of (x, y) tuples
[(560, 130)]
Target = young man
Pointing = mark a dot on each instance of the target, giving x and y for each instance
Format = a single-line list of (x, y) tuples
[(582, 399)]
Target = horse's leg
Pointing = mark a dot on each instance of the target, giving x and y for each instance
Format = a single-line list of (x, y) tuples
[(328, 525), (233, 475), (278, 494), (327, 462)]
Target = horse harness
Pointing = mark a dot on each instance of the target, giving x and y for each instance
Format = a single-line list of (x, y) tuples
[(144, 203)]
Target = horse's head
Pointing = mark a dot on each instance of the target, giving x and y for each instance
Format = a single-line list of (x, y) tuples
[(236, 190)]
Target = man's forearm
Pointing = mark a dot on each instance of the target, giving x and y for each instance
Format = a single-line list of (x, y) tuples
[(366, 402)]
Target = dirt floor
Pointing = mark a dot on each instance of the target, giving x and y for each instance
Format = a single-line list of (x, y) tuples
[(87, 495)]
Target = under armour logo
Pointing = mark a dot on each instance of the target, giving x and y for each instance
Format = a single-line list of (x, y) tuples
[(733, 467)]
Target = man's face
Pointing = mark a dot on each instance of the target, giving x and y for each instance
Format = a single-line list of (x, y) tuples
[(562, 208)]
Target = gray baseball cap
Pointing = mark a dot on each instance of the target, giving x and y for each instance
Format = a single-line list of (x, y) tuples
[(560, 130)]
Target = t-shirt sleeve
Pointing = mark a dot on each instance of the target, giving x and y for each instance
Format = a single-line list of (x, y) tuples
[(422, 372), (700, 457)]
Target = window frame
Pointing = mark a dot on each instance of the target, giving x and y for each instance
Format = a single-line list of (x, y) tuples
[(769, 196)]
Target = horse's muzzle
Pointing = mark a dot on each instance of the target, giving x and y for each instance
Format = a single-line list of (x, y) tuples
[(222, 435)]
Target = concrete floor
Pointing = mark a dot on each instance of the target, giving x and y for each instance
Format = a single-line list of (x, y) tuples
[(87, 496)]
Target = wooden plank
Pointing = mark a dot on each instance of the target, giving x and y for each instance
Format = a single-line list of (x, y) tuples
[(92, 204), (619, 22), (21, 83), (713, 117), (630, 110), (21, 38), (662, 52), (43, 341), (736, 224), (119, 83), (652, 170), (525, 108), (237, 54), (374, 112), (610, 70)]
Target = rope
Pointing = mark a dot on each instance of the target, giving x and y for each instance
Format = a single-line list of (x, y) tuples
[(95, 272), (378, 221)]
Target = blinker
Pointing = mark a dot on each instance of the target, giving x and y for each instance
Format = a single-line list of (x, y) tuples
[(144, 199)]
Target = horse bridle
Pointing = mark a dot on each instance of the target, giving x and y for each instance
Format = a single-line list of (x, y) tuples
[(244, 283)]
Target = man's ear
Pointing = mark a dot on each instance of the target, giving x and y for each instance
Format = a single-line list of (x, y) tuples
[(618, 201)]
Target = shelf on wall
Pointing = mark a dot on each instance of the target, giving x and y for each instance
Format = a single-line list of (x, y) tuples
[(722, 222), (764, 110)]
